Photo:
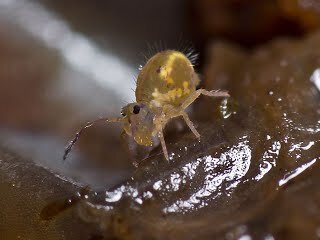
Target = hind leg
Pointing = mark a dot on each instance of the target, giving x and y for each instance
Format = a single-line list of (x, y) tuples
[(197, 93), (163, 144), (192, 98)]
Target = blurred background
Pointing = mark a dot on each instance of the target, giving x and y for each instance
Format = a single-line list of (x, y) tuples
[(66, 63), (63, 63)]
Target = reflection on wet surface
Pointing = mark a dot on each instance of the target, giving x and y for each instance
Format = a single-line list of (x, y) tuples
[(251, 170), (233, 166), (57, 207), (55, 75), (253, 175)]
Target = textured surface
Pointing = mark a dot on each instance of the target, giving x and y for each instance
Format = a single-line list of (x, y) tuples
[(255, 172), (26, 190)]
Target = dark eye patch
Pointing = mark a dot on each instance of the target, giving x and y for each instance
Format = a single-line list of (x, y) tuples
[(136, 109)]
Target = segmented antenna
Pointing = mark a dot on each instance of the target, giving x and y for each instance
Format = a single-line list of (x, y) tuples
[(78, 134)]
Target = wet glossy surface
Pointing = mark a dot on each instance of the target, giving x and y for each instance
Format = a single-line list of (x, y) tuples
[(27, 190), (61, 65), (255, 173)]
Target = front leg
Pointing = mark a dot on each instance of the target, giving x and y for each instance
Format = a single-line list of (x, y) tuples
[(160, 123), (163, 144)]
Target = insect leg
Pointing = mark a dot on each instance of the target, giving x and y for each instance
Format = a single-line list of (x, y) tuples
[(163, 144), (214, 93), (197, 93), (190, 124), (78, 134)]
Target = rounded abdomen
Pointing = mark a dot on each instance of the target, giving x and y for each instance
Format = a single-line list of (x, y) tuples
[(167, 78)]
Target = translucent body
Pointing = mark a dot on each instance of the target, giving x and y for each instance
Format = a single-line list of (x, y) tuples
[(166, 86), (167, 78)]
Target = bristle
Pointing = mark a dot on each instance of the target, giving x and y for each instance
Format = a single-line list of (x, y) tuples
[(156, 47), (151, 50), (133, 82), (184, 46), (187, 48)]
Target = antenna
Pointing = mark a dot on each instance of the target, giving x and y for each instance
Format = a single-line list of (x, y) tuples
[(78, 134)]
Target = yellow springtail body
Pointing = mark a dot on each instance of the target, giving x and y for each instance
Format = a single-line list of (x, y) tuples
[(166, 86)]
